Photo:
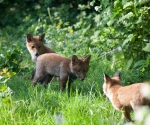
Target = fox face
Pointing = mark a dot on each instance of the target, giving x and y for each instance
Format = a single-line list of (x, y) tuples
[(108, 82), (35, 45), (80, 66)]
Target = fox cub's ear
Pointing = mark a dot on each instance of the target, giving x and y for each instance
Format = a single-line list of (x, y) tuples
[(106, 78), (41, 37), (117, 74), (87, 58), (75, 60), (29, 37)]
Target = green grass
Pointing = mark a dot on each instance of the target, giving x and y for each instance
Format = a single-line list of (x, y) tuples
[(38, 106)]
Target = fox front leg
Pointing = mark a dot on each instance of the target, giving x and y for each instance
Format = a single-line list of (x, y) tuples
[(33, 73), (34, 82), (63, 82), (69, 83), (38, 78), (47, 79)]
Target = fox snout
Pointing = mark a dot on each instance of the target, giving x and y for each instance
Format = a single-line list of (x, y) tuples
[(80, 78), (36, 54)]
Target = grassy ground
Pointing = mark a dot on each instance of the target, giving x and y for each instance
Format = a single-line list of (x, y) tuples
[(50, 106), (38, 106)]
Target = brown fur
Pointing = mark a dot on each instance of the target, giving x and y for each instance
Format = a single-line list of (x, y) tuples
[(62, 67), (124, 98), (36, 47)]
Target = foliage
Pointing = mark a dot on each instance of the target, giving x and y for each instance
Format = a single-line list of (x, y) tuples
[(114, 25), (5, 91), (27, 12), (115, 33), (12, 49), (126, 24), (11, 58)]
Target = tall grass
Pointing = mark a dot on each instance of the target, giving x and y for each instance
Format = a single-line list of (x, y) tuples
[(38, 106), (86, 104)]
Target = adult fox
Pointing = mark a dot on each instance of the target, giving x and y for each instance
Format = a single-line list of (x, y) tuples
[(63, 67)]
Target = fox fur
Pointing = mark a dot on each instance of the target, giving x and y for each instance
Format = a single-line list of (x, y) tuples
[(62, 67), (36, 47), (125, 98)]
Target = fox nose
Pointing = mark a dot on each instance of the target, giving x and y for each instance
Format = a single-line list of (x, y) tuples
[(81, 79), (36, 54)]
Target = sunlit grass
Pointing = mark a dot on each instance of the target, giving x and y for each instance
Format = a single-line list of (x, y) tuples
[(38, 106), (86, 104)]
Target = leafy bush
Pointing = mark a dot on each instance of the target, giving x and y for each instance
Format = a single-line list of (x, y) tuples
[(5, 91), (117, 31), (11, 59), (125, 24)]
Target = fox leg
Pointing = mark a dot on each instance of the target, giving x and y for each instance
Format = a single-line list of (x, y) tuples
[(69, 83), (34, 82), (38, 78), (126, 113), (47, 79), (63, 82), (33, 73)]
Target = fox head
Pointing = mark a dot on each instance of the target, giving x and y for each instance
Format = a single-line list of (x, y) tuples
[(80, 66), (108, 82), (35, 45)]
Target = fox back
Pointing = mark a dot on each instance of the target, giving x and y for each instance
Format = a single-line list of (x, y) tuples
[(36, 47), (63, 67), (125, 97), (52, 64)]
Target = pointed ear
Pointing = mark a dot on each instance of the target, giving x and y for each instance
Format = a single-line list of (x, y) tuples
[(87, 58), (41, 37), (75, 60), (106, 78), (29, 38), (117, 74)]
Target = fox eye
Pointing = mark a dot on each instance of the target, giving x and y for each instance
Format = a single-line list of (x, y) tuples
[(84, 71), (33, 47), (78, 70)]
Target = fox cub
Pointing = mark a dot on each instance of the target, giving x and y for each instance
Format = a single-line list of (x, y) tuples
[(62, 67), (36, 47), (124, 98)]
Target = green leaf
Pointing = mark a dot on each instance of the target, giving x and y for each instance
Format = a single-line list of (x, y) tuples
[(110, 22), (129, 38), (127, 16), (147, 47), (128, 4), (140, 63), (3, 88), (125, 42), (129, 63), (139, 20)]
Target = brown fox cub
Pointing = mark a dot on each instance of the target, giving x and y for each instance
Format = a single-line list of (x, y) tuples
[(36, 47), (56, 65), (125, 98)]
